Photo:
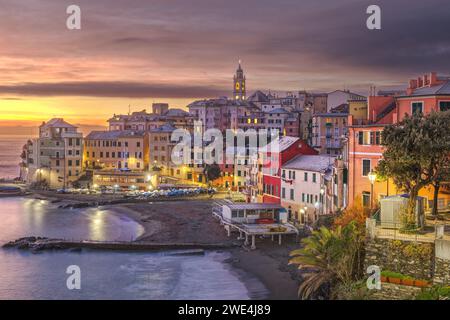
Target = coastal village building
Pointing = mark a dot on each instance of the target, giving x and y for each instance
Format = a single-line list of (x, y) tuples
[(338, 97), (273, 157), (424, 94), (55, 158), (328, 132), (304, 186), (143, 121), (117, 158), (358, 108), (221, 113), (116, 150)]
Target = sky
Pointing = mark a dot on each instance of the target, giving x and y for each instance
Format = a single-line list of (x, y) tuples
[(131, 53)]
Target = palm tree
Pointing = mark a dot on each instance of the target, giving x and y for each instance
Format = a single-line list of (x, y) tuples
[(332, 256)]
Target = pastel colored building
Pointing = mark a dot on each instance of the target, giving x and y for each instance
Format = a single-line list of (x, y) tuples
[(55, 158), (339, 97), (425, 94), (304, 187), (273, 157), (115, 150), (328, 132)]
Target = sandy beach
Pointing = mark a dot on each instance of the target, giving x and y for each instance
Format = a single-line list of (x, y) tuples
[(192, 222)]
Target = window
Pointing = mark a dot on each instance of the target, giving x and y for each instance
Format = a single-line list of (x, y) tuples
[(364, 138), (138, 144), (444, 106), (283, 193), (306, 176), (303, 197), (314, 178), (366, 199), (292, 194), (365, 167), (378, 138), (416, 107)]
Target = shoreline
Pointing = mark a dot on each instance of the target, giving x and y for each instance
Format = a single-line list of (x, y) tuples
[(269, 264), (175, 222)]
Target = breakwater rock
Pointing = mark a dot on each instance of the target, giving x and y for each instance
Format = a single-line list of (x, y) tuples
[(36, 244)]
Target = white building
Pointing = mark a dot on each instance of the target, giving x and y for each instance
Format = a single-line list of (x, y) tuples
[(338, 97), (54, 159), (304, 191)]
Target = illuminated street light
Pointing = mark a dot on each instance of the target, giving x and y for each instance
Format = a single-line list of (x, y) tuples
[(372, 178)]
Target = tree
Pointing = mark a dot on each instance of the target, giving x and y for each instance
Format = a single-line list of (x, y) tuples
[(437, 129), (333, 256), (356, 213), (417, 154), (404, 159), (212, 172)]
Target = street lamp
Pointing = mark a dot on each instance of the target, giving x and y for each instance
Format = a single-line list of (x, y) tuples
[(302, 215), (305, 208), (322, 193), (372, 177)]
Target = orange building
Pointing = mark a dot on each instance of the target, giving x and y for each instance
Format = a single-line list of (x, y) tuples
[(364, 149)]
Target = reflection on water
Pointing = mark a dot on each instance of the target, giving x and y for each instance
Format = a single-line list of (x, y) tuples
[(105, 275), (30, 217)]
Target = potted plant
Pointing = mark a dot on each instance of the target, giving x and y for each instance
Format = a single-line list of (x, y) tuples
[(421, 283)]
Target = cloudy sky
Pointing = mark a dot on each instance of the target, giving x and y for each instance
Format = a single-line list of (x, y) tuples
[(135, 52)]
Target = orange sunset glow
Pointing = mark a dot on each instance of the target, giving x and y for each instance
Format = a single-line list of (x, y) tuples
[(134, 53)]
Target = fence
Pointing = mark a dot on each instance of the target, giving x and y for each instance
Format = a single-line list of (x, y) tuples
[(393, 230)]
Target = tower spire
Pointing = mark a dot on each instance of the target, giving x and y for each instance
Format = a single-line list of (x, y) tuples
[(239, 83)]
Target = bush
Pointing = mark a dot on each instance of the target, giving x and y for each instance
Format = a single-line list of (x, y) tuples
[(434, 293)]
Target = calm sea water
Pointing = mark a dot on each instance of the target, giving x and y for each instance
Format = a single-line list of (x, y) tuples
[(10, 150), (105, 275)]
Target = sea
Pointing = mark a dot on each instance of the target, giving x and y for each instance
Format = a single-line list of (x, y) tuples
[(10, 150), (104, 274)]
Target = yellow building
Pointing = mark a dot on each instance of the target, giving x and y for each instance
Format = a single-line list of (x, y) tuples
[(54, 160), (111, 150), (358, 109)]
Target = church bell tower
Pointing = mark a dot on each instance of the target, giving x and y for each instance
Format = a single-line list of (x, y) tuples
[(239, 84)]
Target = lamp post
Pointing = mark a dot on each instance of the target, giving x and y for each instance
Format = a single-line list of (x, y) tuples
[(372, 177), (302, 214), (305, 208), (322, 193)]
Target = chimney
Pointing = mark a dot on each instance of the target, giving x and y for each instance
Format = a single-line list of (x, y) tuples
[(426, 81), (433, 78), (412, 84), (419, 82)]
